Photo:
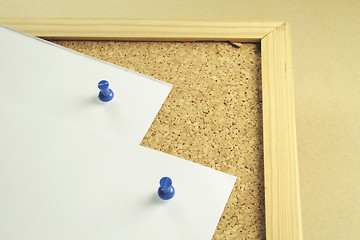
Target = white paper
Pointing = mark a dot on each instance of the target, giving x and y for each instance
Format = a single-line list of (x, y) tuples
[(38, 74), (63, 181), (70, 165)]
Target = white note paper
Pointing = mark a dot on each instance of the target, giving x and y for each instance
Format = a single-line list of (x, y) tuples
[(71, 166), (38, 74), (61, 181)]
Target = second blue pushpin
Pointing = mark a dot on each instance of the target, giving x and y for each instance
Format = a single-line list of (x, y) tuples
[(105, 94), (166, 190)]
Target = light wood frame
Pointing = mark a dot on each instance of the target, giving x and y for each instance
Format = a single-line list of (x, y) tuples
[(282, 196)]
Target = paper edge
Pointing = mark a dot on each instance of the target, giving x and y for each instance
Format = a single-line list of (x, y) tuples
[(87, 56), (198, 164)]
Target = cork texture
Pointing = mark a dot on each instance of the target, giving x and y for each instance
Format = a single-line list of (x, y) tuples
[(213, 115)]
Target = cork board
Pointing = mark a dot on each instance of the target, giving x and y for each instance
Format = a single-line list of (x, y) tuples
[(213, 115)]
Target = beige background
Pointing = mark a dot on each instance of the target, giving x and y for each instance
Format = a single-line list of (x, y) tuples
[(326, 52)]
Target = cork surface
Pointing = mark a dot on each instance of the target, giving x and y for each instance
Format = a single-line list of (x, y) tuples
[(212, 116)]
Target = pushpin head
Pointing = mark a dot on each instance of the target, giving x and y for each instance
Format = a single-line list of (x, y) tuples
[(105, 94), (166, 190)]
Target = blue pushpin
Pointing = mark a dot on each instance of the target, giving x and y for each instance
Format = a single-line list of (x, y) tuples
[(166, 190), (106, 94)]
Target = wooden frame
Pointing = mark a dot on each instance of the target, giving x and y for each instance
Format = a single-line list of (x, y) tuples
[(282, 196)]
